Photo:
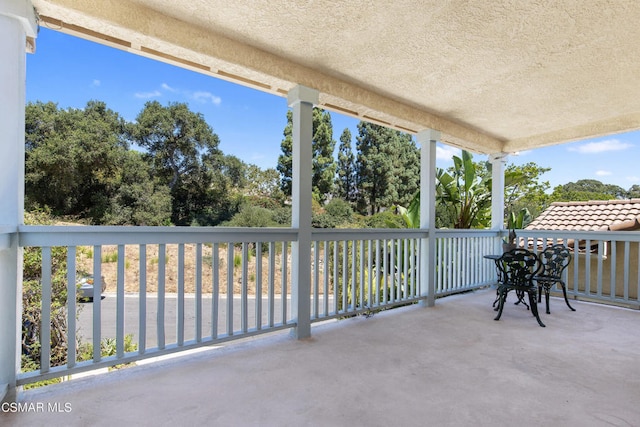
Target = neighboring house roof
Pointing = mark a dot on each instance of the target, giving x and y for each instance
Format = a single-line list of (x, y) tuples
[(598, 215), (595, 215)]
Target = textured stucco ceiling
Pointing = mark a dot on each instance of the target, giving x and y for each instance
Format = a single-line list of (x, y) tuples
[(492, 76)]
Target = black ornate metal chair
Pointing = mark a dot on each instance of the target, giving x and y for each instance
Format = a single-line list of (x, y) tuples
[(554, 260), (517, 268)]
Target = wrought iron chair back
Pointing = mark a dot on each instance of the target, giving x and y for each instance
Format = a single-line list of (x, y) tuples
[(518, 268), (555, 259)]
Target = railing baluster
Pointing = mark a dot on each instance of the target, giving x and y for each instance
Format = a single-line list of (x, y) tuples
[(142, 301), (180, 298), (285, 257), (198, 301), (587, 270), (71, 307), (405, 290), (336, 280), (345, 266), (271, 284), (45, 314), (325, 277), (386, 267), (638, 272), (162, 259), (576, 266), (258, 287), (230, 266), (378, 277), (215, 289), (244, 316), (97, 315), (612, 272), (600, 255), (625, 278), (120, 303), (361, 280), (316, 281), (353, 275), (370, 275)]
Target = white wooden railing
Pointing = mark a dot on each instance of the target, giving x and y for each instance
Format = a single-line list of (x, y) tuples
[(604, 265), (220, 259), (193, 287)]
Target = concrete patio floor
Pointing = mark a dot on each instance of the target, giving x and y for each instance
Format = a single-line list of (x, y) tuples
[(449, 365)]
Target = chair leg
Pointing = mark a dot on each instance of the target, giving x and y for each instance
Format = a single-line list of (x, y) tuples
[(501, 300), (534, 307), (564, 291), (546, 299), (539, 294)]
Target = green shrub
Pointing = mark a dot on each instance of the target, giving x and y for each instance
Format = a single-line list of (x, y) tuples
[(32, 300), (110, 257)]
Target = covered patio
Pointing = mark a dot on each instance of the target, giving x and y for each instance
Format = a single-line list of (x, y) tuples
[(447, 365), (490, 77)]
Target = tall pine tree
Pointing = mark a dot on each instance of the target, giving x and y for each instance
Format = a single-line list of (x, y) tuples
[(346, 179), (388, 168), (324, 167)]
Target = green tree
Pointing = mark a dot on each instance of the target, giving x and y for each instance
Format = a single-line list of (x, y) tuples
[(73, 158), (634, 191), (235, 170), (464, 194), (587, 189), (184, 153), (263, 183), (406, 168), (139, 200), (346, 167), (388, 168), (323, 145), (525, 190)]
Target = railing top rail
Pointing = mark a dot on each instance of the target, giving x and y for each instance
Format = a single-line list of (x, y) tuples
[(442, 232), (5, 236), (632, 236), (8, 229), (367, 233), (115, 235)]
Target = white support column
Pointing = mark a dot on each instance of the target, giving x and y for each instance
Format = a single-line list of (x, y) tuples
[(17, 22), (301, 99), (498, 161), (427, 140)]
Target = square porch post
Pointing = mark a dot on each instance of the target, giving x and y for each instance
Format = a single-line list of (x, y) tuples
[(17, 22), (427, 140), (301, 99)]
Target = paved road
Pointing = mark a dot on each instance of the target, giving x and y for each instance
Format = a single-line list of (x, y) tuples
[(131, 318)]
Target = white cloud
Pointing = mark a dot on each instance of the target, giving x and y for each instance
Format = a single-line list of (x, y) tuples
[(603, 173), (601, 146), (446, 152), (203, 96), (95, 83), (144, 95), (634, 179)]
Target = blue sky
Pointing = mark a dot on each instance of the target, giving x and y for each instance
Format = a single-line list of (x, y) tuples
[(71, 71)]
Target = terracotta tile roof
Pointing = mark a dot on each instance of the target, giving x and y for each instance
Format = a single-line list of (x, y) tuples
[(598, 215)]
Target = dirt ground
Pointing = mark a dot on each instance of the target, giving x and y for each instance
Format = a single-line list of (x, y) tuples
[(109, 265)]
